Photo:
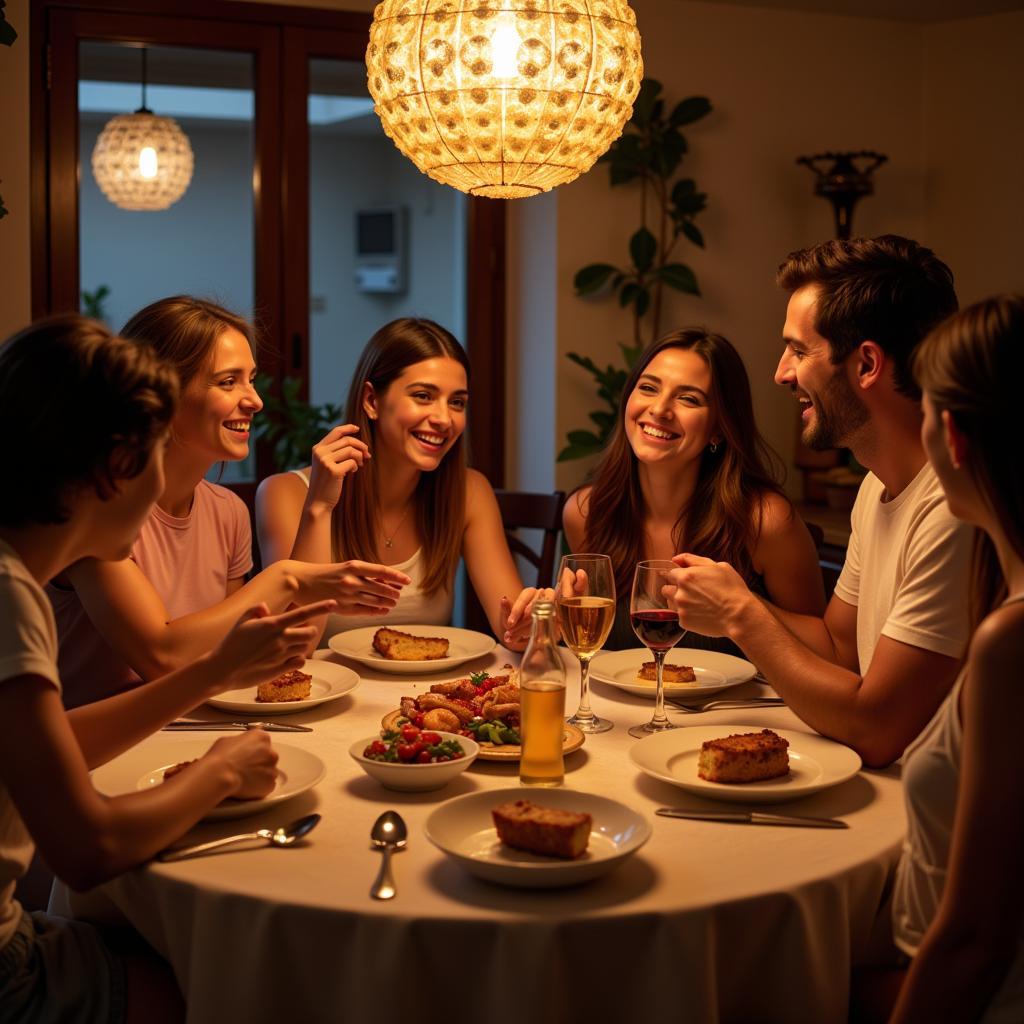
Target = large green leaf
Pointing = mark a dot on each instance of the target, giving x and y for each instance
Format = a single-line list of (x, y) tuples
[(643, 105), (628, 293), (686, 199), (643, 247), (592, 278), (693, 108), (680, 277), (669, 153), (583, 437), (692, 232), (643, 301), (578, 451)]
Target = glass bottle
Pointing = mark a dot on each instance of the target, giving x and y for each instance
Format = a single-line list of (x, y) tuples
[(542, 700)]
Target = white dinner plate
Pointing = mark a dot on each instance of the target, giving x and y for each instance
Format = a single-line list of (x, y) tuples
[(143, 767), (714, 671), (330, 681), (463, 829), (463, 645), (814, 763)]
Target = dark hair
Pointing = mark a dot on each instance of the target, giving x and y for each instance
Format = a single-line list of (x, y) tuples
[(79, 407), (183, 330), (723, 518), (972, 366), (889, 290), (440, 495)]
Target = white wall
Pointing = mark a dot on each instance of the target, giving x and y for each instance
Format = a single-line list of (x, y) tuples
[(353, 173), (974, 107), (783, 84)]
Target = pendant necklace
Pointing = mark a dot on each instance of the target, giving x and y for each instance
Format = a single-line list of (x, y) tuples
[(389, 542)]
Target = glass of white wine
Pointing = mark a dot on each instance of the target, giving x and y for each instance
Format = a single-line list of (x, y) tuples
[(585, 601)]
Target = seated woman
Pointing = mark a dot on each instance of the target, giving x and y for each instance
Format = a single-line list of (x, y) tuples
[(958, 904), (687, 470), (392, 485), (118, 399), (184, 584)]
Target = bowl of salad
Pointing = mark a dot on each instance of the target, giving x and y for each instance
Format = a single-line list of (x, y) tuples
[(412, 759)]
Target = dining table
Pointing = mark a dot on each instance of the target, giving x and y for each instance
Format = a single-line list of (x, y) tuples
[(709, 921)]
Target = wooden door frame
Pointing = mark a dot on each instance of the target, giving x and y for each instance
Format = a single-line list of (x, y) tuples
[(283, 37)]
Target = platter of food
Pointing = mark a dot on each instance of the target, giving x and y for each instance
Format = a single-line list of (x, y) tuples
[(315, 683), (483, 706), (688, 671), (537, 839), (154, 760), (745, 763), (411, 650)]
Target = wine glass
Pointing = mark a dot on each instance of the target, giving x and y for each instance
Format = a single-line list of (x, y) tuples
[(658, 628), (585, 602)]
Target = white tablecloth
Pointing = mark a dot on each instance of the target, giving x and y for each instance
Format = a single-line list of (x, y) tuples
[(708, 922)]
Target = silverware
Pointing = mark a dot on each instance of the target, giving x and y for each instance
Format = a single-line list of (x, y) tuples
[(752, 818), (183, 725), (727, 704), (284, 836), (388, 834)]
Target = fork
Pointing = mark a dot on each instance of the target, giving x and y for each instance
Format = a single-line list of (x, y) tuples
[(727, 705)]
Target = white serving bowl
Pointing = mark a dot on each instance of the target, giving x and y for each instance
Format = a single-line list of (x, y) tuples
[(415, 778)]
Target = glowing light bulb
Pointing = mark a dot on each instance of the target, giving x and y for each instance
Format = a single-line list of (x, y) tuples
[(505, 45), (147, 162)]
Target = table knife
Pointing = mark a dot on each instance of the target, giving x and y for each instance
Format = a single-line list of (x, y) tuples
[(752, 818), (183, 725)]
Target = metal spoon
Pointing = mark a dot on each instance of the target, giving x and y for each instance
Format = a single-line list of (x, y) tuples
[(388, 834), (286, 835)]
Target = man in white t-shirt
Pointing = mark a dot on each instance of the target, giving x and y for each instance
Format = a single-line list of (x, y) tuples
[(872, 672)]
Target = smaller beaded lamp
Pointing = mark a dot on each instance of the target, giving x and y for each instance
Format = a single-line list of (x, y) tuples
[(142, 161)]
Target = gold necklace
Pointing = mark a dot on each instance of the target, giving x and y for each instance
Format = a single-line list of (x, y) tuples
[(389, 542)]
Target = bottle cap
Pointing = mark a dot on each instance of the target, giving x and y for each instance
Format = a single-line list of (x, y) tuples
[(543, 609)]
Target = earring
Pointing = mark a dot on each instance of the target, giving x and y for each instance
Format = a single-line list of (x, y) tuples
[(714, 447)]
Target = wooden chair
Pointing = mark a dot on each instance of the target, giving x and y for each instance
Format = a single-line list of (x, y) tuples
[(524, 510), (830, 566)]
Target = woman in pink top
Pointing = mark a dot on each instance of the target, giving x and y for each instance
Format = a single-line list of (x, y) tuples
[(184, 584)]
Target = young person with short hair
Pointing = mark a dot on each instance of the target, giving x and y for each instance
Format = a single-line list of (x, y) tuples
[(90, 413)]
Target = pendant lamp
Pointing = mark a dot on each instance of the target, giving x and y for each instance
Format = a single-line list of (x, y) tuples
[(142, 161), (504, 98)]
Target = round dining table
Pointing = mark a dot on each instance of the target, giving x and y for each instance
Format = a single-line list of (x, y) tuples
[(709, 921)]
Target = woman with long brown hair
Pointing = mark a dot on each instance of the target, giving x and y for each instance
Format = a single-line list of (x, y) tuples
[(185, 585), (958, 904), (391, 484), (687, 470)]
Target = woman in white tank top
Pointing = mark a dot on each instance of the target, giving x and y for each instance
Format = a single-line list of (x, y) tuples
[(958, 906), (391, 485)]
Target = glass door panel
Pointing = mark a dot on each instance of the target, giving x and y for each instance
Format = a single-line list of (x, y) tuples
[(202, 244), (385, 241)]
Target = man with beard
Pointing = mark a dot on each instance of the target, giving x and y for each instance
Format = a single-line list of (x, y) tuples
[(872, 672)]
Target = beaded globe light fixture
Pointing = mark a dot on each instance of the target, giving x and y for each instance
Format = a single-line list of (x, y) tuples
[(504, 98), (142, 161)]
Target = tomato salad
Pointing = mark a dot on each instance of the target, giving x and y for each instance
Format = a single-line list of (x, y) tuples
[(408, 744)]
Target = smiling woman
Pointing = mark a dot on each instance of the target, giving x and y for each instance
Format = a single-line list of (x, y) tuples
[(687, 470), (392, 484), (183, 586)]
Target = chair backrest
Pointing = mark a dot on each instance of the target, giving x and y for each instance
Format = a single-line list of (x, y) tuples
[(828, 558), (525, 510)]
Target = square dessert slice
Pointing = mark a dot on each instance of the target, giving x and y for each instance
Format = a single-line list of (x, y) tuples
[(526, 826), (744, 757)]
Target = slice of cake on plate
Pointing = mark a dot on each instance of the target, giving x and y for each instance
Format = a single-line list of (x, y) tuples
[(744, 757)]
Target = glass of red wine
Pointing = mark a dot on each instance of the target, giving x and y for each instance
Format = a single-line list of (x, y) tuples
[(658, 629)]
